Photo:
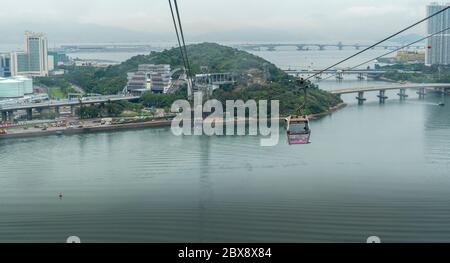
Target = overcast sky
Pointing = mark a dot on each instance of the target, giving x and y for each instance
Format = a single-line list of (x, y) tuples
[(293, 19)]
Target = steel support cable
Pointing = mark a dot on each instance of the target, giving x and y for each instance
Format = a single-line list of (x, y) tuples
[(395, 50), (178, 35), (379, 42)]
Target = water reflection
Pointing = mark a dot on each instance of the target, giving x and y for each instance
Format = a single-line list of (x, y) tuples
[(437, 129), (206, 192)]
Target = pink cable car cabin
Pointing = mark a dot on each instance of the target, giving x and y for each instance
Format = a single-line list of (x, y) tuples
[(298, 131)]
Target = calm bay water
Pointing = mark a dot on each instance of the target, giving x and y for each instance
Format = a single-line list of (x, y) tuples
[(371, 170)]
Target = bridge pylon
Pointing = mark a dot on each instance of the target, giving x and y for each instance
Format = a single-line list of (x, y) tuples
[(10, 116), (301, 47), (382, 96), (4, 116), (421, 93), (402, 94), (361, 76), (361, 98), (30, 114)]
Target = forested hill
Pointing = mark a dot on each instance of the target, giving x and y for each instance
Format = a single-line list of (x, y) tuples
[(261, 79)]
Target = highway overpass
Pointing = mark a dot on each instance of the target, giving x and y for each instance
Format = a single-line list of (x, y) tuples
[(8, 110)]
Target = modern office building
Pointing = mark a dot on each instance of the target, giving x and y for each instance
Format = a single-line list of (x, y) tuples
[(15, 87), (55, 58), (438, 52), (33, 61), (150, 78), (5, 65)]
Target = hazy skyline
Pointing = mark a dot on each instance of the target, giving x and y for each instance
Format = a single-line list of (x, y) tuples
[(206, 20)]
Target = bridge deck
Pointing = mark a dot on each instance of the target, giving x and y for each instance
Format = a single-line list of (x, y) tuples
[(62, 103), (334, 71), (390, 87)]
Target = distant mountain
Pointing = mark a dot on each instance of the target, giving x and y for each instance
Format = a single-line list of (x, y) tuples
[(251, 35), (80, 33), (406, 38), (72, 32)]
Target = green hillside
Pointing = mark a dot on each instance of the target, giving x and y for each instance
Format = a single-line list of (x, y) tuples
[(260, 78)]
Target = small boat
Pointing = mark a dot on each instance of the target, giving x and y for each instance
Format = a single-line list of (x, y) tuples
[(298, 130), (441, 104)]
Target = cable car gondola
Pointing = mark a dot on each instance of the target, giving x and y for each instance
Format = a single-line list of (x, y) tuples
[(298, 131), (297, 126)]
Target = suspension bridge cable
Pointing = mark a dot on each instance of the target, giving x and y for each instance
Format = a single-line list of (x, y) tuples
[(405, 46), (395, 50), (379, 42)]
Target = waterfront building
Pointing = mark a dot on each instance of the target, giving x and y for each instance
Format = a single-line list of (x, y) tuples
[(55, 59), (33, 61), (405, 56), (150, 78), (438, 52), (5, 65), (27, 84), (15, 87)]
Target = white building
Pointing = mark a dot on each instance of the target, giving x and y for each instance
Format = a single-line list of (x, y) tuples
[(150, 78), (16, 87), (28, 84), (33, 61), (438, 52)]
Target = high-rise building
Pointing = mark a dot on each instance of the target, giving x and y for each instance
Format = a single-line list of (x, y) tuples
[(438, 52), (33, 61), (5, 65), (55, 59)]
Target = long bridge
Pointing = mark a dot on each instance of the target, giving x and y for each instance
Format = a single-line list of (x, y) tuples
[(340, 72), (317, 46), (422, 88), (105, 48), (7, 110)]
